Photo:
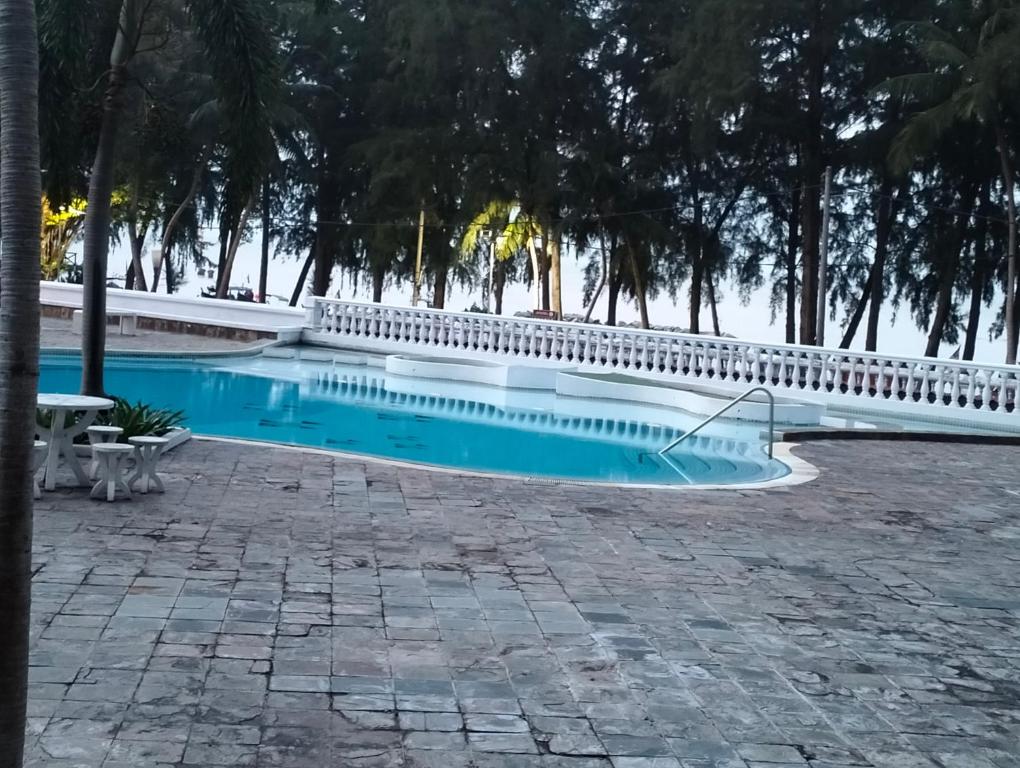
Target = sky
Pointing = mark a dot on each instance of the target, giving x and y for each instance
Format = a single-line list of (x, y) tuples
[(750, 322)]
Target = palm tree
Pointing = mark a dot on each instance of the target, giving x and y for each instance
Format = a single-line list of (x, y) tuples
[(971, 71), (511, 231), (21, 213), (241, 55)]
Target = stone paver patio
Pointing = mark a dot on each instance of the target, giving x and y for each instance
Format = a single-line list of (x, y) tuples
[(277, 608)]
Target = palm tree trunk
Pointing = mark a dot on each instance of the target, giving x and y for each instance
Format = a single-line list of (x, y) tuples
[(97, 216), (235, 243), (1009, 181), (171, 227), (20, 211)]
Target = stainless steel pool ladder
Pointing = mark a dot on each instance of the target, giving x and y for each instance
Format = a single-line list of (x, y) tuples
[(721, 411)]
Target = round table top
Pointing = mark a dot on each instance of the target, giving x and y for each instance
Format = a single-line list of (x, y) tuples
[(148, 440), (112, 448), (73, 402)]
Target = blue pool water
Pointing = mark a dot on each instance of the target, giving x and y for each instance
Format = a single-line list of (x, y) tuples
[(362, 411)]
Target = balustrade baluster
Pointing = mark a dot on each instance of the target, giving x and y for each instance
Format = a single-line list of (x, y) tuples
[(910, 386), (815, 376), (940, 386), (986, 393), (971, 392)]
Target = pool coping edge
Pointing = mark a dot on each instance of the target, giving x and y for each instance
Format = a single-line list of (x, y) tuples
[(801, 471)]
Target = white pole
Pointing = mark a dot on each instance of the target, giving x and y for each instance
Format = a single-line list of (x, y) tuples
[(823, 261)]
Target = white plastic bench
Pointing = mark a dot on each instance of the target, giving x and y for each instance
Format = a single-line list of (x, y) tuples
[(127, 322)]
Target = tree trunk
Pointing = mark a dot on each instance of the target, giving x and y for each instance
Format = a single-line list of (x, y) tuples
[(97, 224), (639, 284), (883, 231), (544, 268), (171, 227), (129, 277), (171, 278), (536, 272), (378, 282), (697, 280), (20, 212), (1009, 182), (136, 241), (947, 280), (615, 281), (603, 274), (556, 273), (979, 275), (858, 315), (226, 237), (500, 282), (235, 243), (697, 258), (327, 213), (943, 305), (710, 284), (264, 264), (439, 289), (299, 287), (813, 164), (792, 248)]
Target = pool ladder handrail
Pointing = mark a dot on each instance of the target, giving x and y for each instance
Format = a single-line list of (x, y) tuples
[(725, 409)]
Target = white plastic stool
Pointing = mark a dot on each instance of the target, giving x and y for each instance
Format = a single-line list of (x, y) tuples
[(147, 453), (39, 454), (111, 458), (99, 436)]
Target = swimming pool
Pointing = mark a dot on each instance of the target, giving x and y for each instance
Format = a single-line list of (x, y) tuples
[(359, 410)]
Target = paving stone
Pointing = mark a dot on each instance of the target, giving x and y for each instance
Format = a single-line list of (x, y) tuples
[(434, 740), (512, 743), (302, 609)]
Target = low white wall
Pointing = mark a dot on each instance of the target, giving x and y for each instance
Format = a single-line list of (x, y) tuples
[(473, 371), (220, 312), (698, 400)]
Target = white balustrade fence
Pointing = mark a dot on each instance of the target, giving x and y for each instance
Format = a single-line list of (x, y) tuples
[(833, 375)]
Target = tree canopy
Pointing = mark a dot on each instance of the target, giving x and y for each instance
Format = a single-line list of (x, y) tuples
[(673, 147)]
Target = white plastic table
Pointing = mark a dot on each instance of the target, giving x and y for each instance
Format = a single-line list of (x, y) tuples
[(61, 437)]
